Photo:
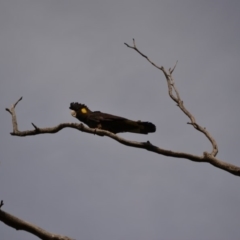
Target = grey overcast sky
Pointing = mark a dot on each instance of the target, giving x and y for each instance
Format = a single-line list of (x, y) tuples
[(88, 187)]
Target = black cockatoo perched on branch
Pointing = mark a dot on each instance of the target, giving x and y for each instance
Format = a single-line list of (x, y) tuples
[(109, 122)]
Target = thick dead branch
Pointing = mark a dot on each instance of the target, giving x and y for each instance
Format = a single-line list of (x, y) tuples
[(19, 224), (144, 145), (174, 94)]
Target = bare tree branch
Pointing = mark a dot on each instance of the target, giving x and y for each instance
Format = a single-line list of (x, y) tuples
[(174, 94), (19, 224), (144, 145)]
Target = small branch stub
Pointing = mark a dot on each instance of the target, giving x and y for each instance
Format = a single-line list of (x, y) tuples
[(1, 204)]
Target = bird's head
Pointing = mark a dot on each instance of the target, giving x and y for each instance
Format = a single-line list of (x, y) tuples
[(78, 109)]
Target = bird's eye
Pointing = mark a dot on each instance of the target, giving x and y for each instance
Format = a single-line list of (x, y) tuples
[(84, 110)]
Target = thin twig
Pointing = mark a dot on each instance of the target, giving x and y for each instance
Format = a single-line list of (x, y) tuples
[(136, 49), (1, 204), (15, 104), (171, 71), (36, 128)]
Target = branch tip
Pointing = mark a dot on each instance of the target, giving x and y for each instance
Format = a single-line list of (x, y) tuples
[(128, 46), (36, 128), (1, 204), (134, 43), (15, 104), (8, 110), (171, 71)]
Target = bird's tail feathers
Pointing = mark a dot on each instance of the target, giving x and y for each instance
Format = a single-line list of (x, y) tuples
[(142, 127), (146, 127)]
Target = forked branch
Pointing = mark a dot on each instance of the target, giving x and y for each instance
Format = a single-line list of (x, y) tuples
[(206, 157), (174, 94)]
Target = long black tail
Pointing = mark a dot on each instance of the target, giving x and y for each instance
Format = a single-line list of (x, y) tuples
[(140, 127), (146, 127)]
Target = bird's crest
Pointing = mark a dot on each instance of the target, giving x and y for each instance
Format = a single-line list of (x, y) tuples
[(78, 106)]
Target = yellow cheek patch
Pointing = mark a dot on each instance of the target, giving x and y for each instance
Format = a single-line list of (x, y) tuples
[(84, 110)]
